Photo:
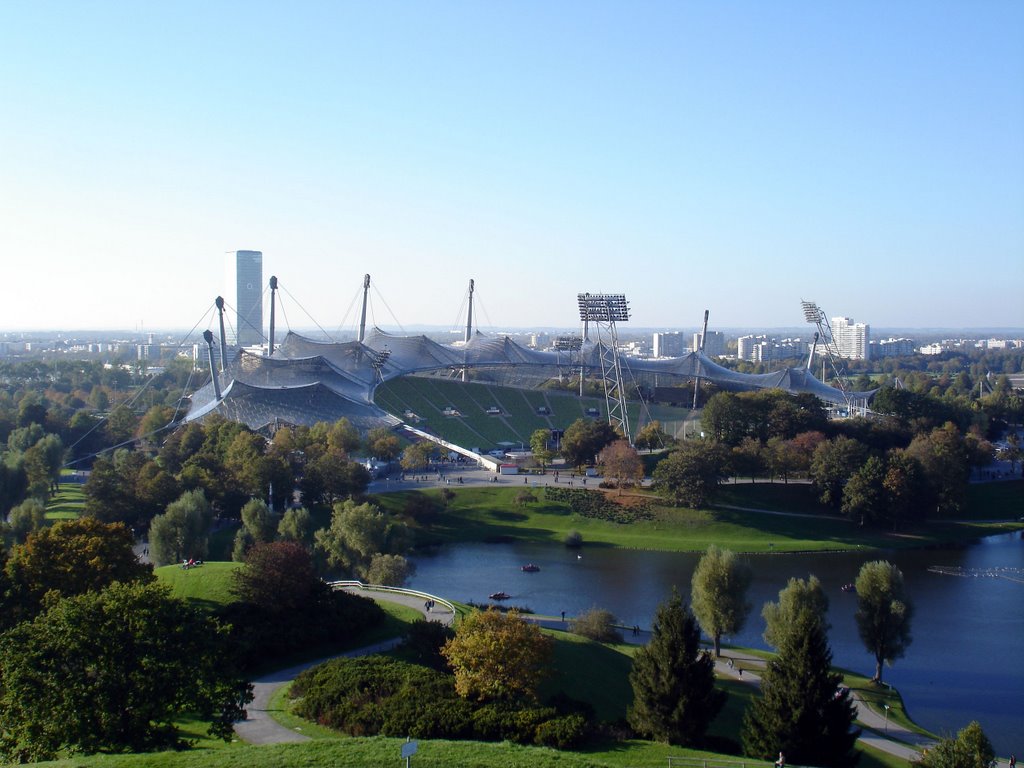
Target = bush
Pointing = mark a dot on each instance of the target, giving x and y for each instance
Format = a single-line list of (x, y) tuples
[(573, 539), (567, 732), (598, 506), (597, 624), (424, 641)]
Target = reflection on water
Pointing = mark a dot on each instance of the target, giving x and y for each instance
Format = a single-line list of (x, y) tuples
[(966, 661)]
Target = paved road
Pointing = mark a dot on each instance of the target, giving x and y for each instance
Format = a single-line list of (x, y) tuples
[(261, 728)]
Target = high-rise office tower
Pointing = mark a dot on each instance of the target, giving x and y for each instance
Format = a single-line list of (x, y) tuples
[(244, 295)]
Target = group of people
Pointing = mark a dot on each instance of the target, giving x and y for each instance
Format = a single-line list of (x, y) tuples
[(428, 605)]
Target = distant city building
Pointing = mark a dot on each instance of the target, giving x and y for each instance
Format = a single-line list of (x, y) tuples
[(539, 340), (852, 340), (669, 344), (244, 296), (714, 346), (892, 348), (746, 346)]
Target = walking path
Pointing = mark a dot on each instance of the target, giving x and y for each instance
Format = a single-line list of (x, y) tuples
[(259, 727)]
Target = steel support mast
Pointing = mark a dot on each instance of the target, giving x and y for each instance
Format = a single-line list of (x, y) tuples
[(603, 311)]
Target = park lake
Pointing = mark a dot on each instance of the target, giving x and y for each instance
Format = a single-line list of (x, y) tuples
[(966, 661)]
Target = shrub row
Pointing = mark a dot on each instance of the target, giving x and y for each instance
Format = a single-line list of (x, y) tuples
[(596, 505), (379, 695)]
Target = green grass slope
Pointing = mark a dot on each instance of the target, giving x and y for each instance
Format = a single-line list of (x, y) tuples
[(207, 585)]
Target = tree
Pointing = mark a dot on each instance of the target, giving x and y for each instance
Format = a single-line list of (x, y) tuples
[(278, 576), (652, 436), (383, 444), (674, 696), (597, 624), (864, 493), (355, 535), (748, 458), (498, 657), (27, 517), (970, 749), (719, 594), (833, 464), (417, 456), (883, 613), (392, 570), (797, 597), (584, 439), (801, 710), (182, 531), (691, 474), (782, 457), (71, 557), (259, 520), (945, 458), (112, 671), (296, 525), (621, 463), (904, 486), (539, 445)]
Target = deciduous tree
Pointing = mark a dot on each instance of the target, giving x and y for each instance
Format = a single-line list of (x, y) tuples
[(798, 596), (584, 439), (970, 749), (719, 594), (498, 656), (674, 696), (691, 474), (883, 612), (112, 671), (182, 531), (621, 463), (358, 532), (833, 464)]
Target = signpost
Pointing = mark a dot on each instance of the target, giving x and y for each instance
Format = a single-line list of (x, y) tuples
[(408, 750)]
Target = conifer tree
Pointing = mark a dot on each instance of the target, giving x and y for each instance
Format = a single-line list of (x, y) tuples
[(802, 711), (674, 696)]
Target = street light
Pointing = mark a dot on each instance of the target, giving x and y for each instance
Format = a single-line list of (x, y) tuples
[(886, 708)]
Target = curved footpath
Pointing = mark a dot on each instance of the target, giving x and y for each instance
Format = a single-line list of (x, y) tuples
[(261, 728)]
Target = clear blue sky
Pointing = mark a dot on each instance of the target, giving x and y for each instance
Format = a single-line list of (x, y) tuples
[(736, 156)]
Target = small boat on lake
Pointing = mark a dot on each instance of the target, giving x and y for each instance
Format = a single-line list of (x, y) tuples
[(849, 588), (499, 596), (530, 568)]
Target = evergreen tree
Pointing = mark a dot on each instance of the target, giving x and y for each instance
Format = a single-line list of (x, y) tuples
[(802, 711), (674, 696)]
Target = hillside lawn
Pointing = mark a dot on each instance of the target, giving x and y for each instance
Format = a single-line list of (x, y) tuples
[(492, 515), (207, 585), (67, 503)]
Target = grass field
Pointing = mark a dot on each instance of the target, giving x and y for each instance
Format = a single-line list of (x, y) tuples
[(67, 503), (490, 514), (207, 585)]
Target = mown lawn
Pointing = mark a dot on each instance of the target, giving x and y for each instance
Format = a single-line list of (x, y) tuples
[(207, 585), (491, 514), (67, 504)]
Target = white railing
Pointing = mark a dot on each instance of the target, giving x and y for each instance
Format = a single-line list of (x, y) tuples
[(396, 590)]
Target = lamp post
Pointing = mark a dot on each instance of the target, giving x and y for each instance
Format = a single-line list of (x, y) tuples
[(886, 708)]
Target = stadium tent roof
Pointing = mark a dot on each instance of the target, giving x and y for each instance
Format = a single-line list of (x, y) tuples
[(307, 381)]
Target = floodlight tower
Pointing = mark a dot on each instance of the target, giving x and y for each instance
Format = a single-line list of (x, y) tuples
[(572, 345), (362, 315), (603, 311), (816, 315)]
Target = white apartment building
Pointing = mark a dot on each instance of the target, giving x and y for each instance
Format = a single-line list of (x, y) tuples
[(669, 344), (852, 340), (714, 346)]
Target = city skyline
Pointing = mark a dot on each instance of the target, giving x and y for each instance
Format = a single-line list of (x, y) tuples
[(690, 155)]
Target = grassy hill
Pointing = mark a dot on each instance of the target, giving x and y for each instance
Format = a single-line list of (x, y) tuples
[(67, 504)]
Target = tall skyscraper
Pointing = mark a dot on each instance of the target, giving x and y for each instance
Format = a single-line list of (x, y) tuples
[(853, 340), (244, 295)]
